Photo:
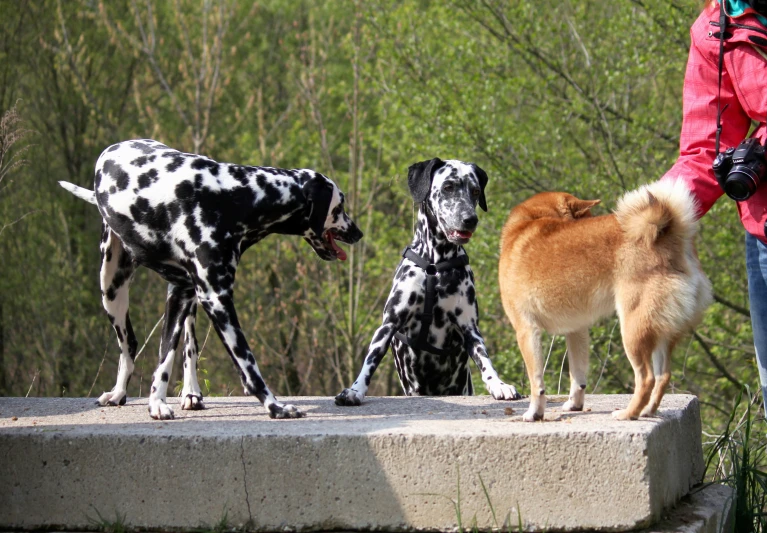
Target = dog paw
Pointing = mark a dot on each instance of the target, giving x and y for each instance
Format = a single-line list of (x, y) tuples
[(623, 414), (648, 412), (112, 398), (159, 410), (501, 391), (571, 406), (278, 410), (349, 397), (532, 416), (192, 402)]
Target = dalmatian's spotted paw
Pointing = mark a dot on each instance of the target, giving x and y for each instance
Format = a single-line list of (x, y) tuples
[(192, 402), (277, 410), (623, 414), (501, 391), (159, 410), (349, 397), (112, 398)]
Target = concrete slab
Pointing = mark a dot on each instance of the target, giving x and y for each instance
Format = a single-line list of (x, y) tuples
[(393, 464), (707, 509)]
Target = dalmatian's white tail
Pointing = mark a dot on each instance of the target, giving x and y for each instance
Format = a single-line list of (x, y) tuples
[(87, 195)]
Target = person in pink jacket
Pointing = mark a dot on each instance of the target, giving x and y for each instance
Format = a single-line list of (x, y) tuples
[(741, 96)]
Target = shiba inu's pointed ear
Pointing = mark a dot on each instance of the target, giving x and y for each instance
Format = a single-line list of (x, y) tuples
[(482, 176), (581, 208), (419, 177)]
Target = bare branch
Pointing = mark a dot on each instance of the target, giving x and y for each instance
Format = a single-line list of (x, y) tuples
[(735, 307), (534, 56), (744, 349), (715, 361)]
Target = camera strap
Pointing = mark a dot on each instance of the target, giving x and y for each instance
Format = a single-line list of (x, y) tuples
[(719, 110)]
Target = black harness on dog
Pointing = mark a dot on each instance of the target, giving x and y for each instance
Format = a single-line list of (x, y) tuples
[(421, 342)]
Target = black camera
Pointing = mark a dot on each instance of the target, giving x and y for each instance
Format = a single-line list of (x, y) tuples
[(741, 170), (760, 6)]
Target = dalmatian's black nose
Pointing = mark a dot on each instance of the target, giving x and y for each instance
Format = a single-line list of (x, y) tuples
[(470, 221), (354, 235)]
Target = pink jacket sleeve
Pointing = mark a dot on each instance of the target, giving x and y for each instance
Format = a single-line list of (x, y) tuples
[(697, 140)]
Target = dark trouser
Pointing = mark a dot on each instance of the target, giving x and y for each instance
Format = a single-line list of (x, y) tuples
[(756, 266)]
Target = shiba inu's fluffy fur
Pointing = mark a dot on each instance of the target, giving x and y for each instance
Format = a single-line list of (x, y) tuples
[(562, 269)]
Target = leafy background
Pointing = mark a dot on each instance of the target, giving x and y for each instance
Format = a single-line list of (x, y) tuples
[(582, 96)]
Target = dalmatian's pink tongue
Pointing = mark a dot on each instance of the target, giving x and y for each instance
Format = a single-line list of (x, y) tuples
[(340, 253), (462, 234)]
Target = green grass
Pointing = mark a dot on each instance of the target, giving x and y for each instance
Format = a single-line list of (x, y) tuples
[(738, 458), (109, 526), (506, 526), (118, 525), (492, 511)]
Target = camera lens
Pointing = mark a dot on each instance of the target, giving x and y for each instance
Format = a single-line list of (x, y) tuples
[(741, 183)]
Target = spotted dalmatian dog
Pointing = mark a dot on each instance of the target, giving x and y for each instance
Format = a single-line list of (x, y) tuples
[(190, 219), (448, 192)]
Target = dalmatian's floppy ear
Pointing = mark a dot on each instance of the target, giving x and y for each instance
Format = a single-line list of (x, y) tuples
[(319, 192), (419, 177), (482, 176)]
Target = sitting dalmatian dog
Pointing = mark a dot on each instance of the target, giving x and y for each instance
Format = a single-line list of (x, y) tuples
[(430, 318), (190, 219)]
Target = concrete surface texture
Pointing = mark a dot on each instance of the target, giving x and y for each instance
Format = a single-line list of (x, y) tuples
[(393, 463), (708, 509)]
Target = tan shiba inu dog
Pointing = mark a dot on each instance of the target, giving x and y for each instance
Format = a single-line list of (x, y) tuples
[(561, 270)]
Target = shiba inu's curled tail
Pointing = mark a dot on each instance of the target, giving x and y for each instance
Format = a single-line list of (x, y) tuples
[(85, 194), (660, 211)]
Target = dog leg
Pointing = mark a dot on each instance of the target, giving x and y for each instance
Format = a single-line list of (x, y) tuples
[(475, 346), (220, 309), (661, 360), (177, 306), (529, 340), (192, 394), (376, 351), (578, 359), (468, 389), (639, 348), (117, 269)]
